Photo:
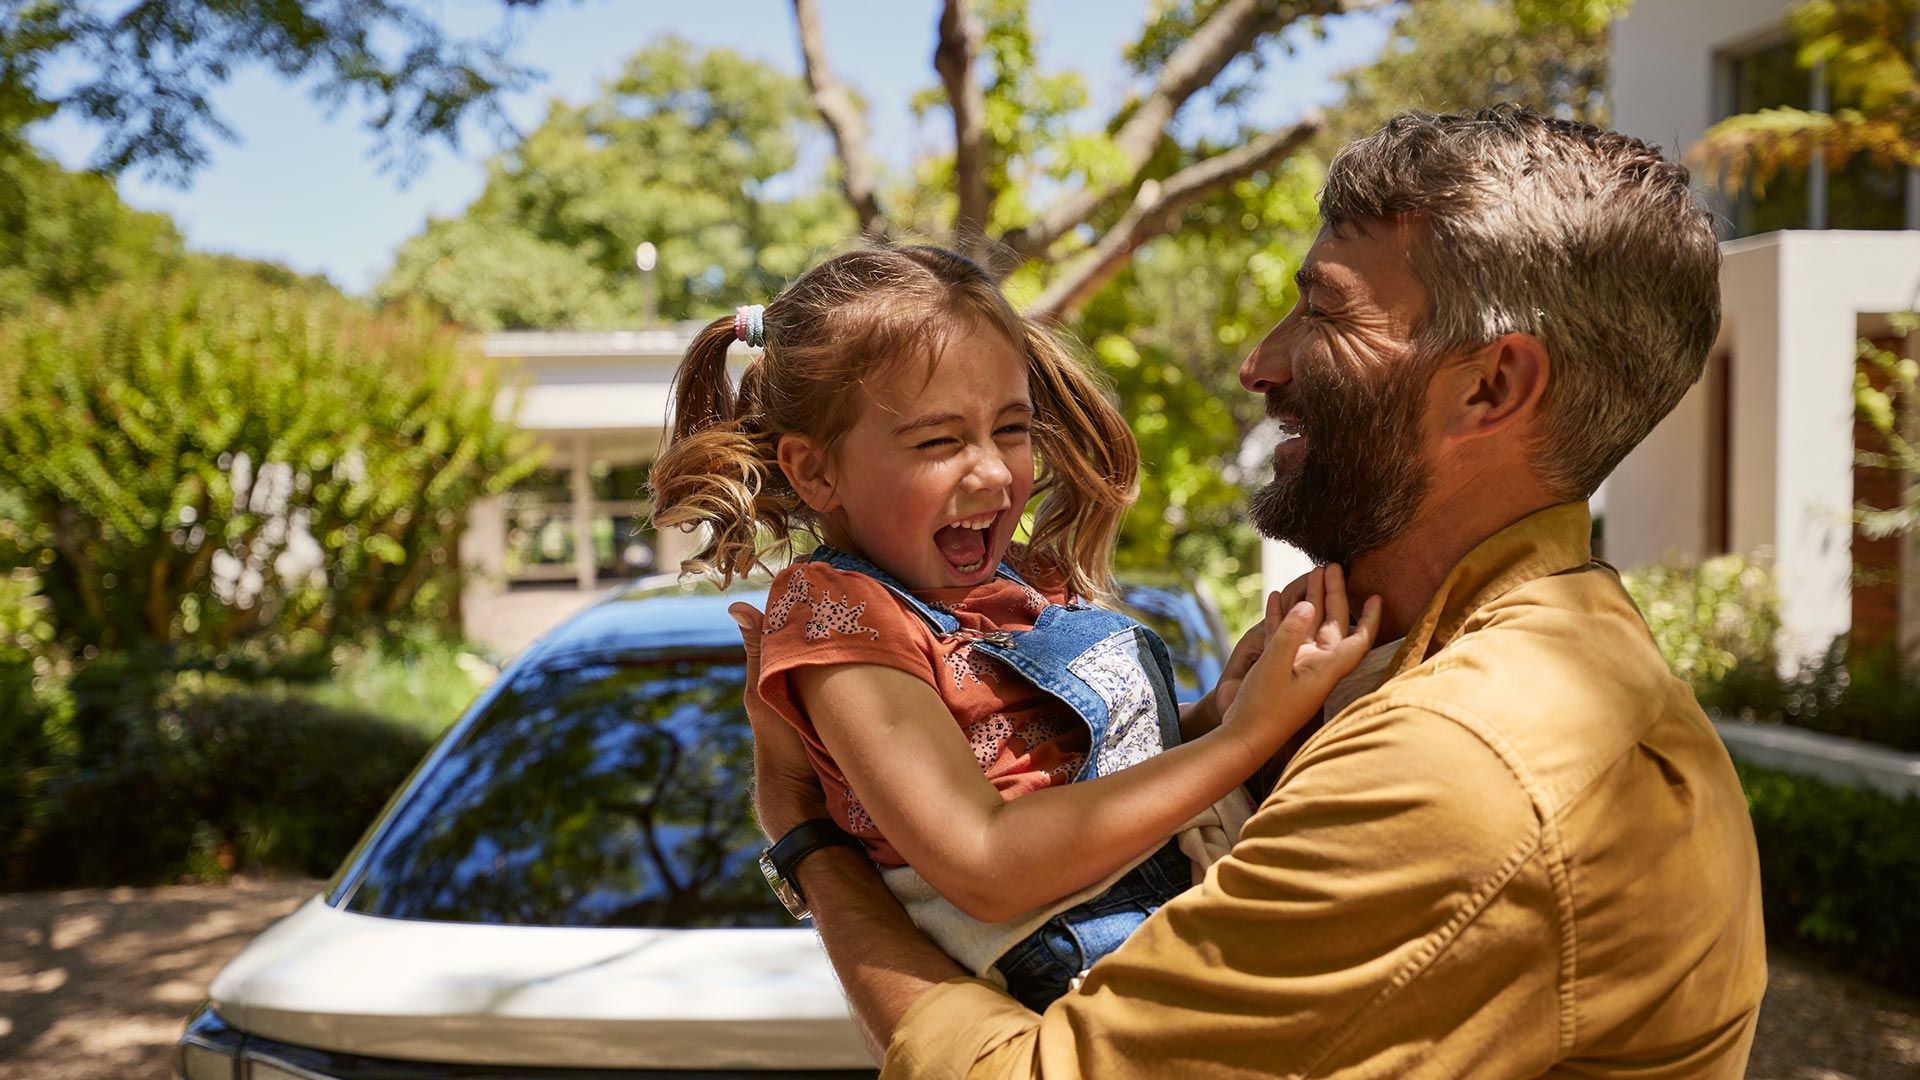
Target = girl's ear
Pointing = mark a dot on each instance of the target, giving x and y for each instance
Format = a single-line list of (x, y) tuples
[(810, 470)]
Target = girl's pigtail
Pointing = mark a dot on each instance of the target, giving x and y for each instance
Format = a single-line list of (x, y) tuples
[(1090, 467), (714, 469)]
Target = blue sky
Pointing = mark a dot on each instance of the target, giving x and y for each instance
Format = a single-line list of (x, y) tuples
[(302, 187)]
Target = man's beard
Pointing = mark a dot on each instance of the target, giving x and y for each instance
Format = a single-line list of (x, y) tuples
[(1363, 476)]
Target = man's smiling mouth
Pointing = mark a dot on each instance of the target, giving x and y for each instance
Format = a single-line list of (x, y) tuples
[(1293, 435)]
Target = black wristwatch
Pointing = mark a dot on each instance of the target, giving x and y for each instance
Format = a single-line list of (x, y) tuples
[(780, 858)]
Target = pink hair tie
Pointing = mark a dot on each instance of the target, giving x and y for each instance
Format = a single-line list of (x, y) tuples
[(749, 325)]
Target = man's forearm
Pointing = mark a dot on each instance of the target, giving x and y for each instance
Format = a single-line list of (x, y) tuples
[(883, 961)]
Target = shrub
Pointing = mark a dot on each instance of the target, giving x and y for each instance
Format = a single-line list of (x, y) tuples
[(222, 462), (1840, 870), (1715, 622), (35, 712), (1709, 618), (180, 782), (1869, 696)]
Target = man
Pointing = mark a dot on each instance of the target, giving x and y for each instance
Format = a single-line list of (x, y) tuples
[(1518, 849)]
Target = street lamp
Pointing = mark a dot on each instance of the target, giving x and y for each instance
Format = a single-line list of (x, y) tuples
[(645, 257)]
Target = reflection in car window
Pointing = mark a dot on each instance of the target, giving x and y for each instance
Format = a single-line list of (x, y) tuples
[(1196, 663), (608, 794)]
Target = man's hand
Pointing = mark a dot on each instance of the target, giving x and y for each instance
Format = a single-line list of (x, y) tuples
[(883, 963), (785, 790)]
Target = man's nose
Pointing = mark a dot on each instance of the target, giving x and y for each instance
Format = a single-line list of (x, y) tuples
[(1266, 367)]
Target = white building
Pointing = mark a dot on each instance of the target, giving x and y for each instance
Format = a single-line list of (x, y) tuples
[(1759, 458), (599, 401)]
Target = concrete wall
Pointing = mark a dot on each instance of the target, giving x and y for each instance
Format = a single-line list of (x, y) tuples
[(1665, 79), (1793, 305), (1656, 502)]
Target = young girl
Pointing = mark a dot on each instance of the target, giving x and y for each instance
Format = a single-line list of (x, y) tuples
[(1009, 754)]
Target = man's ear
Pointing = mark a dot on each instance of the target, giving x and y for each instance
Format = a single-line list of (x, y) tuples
[(1496, 386), (810, 470)]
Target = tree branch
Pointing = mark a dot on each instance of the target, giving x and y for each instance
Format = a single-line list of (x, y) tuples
[(843, 118), (1230, 31), (1157, 205), (955, 58)]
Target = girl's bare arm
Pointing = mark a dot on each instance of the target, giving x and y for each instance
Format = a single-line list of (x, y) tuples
[(901, 751)]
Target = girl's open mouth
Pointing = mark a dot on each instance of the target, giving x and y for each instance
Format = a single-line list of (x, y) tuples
[(964, 543)]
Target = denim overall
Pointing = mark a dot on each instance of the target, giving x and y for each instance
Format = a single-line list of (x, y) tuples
[(1117, 677)]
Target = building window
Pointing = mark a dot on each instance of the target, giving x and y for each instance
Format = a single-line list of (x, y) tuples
[(540, 537), (1863, 194)]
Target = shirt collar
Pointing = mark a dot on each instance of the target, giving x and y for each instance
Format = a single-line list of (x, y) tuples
[(1544, 543)]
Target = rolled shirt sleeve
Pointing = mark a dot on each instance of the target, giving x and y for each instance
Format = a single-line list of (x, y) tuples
[(1395, 908)]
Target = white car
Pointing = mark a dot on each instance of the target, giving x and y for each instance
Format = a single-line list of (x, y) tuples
[(568, 885)]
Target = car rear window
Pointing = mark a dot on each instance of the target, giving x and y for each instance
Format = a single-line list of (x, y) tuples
[(611, 793)]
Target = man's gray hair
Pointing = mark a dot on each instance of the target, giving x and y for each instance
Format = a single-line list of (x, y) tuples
[(1586, 239)]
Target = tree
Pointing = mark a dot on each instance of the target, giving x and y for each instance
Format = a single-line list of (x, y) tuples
[(213, 462), (143, 71), (64, 235), (681, 149), (1871, 61), (1449, 55), (1127, 182), (1170, 331)]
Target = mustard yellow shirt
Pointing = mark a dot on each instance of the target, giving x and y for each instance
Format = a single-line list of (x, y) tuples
[(1526, 854)]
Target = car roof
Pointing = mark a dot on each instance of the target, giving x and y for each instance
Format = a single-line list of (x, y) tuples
[(660, 612), (665, 612)]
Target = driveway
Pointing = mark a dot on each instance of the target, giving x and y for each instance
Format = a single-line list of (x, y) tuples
[(95, 983)]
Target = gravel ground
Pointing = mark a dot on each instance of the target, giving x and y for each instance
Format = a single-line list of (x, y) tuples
[(95, 984)]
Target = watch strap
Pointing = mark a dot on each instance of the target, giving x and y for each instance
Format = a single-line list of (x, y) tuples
[(803, 840)]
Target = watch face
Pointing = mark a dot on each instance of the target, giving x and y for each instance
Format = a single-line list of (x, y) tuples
[(782, 888)]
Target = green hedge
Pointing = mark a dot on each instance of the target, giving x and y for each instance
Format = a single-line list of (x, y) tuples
[(1711, 618), (225, 464), (1840, 870), (1869, 696), (1715, 622), (161, 780)]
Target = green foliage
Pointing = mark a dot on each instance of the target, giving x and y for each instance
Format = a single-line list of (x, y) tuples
[(36, 714), (1866, 695), (1450, 55), (1709, 618), (1886, 394), (211, 464), (183, 783), (1716, 621), (1584, 16), (65, 235), (420, 681), (1840, 870), (1873, 69), (1031, 144), (144, 73), (685, 148), (246, 765), (1170, 332)]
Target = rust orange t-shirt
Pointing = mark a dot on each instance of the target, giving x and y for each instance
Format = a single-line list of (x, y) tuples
[(1024, 739)]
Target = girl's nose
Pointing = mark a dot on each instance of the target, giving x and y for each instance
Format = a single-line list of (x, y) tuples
[(988, 473)]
